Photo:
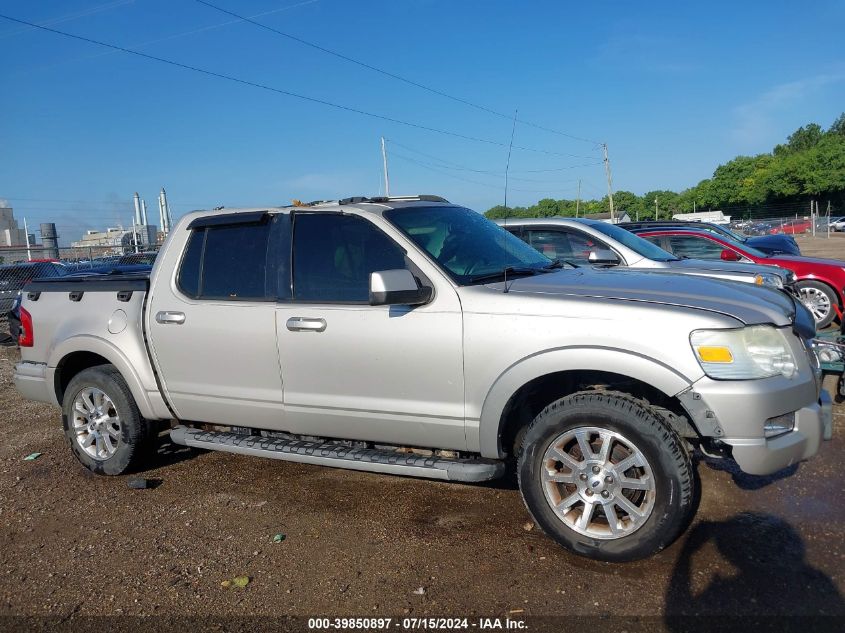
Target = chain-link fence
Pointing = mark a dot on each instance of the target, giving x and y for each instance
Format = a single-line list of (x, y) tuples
[(815, 226), (20, 265)]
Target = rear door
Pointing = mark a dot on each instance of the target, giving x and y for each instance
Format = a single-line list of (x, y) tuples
[(212, 323)]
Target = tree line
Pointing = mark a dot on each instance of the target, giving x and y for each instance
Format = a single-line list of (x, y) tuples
[(809, 166)]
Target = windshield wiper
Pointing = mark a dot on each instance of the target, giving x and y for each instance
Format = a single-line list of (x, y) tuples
[(506, 272), (558, 263)]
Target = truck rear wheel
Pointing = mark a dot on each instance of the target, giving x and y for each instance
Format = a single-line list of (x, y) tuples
[(603, 475), (102, 422)]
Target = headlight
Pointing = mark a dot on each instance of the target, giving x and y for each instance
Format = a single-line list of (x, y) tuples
[(773, 281), (760, 351)]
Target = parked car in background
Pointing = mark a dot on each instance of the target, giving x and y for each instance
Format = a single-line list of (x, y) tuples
[(837, 223), (15, 276), (147, 257), (586, 242), (820, 282), (770, 244), (792, 227)]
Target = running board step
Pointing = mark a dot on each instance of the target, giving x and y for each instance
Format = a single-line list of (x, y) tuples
[(340, 456)]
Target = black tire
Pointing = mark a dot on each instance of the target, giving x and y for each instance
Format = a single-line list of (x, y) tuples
[(633, 419), (137, 435), (809, 284)]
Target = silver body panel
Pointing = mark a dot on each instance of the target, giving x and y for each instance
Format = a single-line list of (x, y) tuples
[(437, 375)]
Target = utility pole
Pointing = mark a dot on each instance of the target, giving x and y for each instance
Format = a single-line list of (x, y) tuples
[(386, 175), (26, 232), (578, 199), (828, 218), (655, 208), (609, 182), (134, 235)]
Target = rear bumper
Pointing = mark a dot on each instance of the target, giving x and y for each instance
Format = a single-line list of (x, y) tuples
[(762, 456), (32, 382)]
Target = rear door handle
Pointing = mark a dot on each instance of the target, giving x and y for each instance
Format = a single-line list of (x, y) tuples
[(301, 324), (170, 318)]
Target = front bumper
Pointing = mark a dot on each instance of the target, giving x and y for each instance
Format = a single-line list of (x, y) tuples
[(763, 456), (734, 412), (32, 382)]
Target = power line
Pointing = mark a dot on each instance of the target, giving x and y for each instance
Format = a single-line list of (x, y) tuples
[(105, 202), (392, 75), (493, 174), (470, 180), (75, 16), (459, 167), (288, 93), (173, 36)]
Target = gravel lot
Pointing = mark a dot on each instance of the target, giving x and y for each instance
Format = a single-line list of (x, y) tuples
[(73, 544)]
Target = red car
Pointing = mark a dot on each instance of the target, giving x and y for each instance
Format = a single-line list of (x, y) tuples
[(793, 227), (820, 282)]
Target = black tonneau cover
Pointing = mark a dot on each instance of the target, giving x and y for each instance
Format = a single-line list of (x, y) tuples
[(91, 283)]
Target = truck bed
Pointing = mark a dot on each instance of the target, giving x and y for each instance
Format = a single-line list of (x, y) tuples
[(100, 314)]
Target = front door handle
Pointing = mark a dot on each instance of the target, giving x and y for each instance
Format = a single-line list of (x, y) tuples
[(170, 318), (301, 324)]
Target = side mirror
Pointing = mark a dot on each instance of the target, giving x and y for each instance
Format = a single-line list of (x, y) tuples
[(397, 287), (603, 256), (729, 256)]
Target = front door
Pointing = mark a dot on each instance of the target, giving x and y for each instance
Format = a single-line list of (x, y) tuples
[(391, 374), (212, 325)]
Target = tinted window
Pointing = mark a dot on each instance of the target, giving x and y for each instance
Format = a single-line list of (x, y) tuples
[(695, 247), (634, 242), (333, 256), (564, 245), (232, 263), (189, 270)]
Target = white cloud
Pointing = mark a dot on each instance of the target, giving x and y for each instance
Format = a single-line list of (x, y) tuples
[(755, 120)]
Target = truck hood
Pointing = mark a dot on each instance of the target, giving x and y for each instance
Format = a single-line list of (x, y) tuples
[(750, 305), (690, 265)]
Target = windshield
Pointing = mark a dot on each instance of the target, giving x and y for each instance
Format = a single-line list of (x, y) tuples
[(745, 247), (465, 244), (721, 230), (634, 242)]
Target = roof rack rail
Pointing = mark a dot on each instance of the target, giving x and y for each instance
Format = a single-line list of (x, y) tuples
[(361, 199)]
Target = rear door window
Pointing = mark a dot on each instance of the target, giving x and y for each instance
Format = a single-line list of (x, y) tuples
[(568, 245), (695, 247), (227, 262)]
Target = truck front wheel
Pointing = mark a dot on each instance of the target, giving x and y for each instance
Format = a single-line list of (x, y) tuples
[(102, 422), (603, 475)]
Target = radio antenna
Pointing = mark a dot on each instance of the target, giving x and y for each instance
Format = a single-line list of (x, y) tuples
[(508, 164)]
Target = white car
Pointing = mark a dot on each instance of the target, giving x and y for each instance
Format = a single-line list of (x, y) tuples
[(837, 223)]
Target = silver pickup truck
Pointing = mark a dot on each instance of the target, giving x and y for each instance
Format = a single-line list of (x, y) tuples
[(412, 336)]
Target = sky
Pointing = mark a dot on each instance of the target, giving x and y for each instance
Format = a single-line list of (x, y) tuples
[(673, 89)]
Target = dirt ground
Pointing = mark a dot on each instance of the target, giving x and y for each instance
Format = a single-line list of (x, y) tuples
[(357, 544)]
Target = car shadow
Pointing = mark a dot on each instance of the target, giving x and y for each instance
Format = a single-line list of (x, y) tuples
[(744, 480), (757, 575), (167, 453)]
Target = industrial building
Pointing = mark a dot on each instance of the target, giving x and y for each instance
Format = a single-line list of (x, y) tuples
[(142, 233), (10, 233)]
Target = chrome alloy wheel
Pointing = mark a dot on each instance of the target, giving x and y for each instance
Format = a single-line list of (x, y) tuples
[(96, 423), (816, 301), (598, 482)]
